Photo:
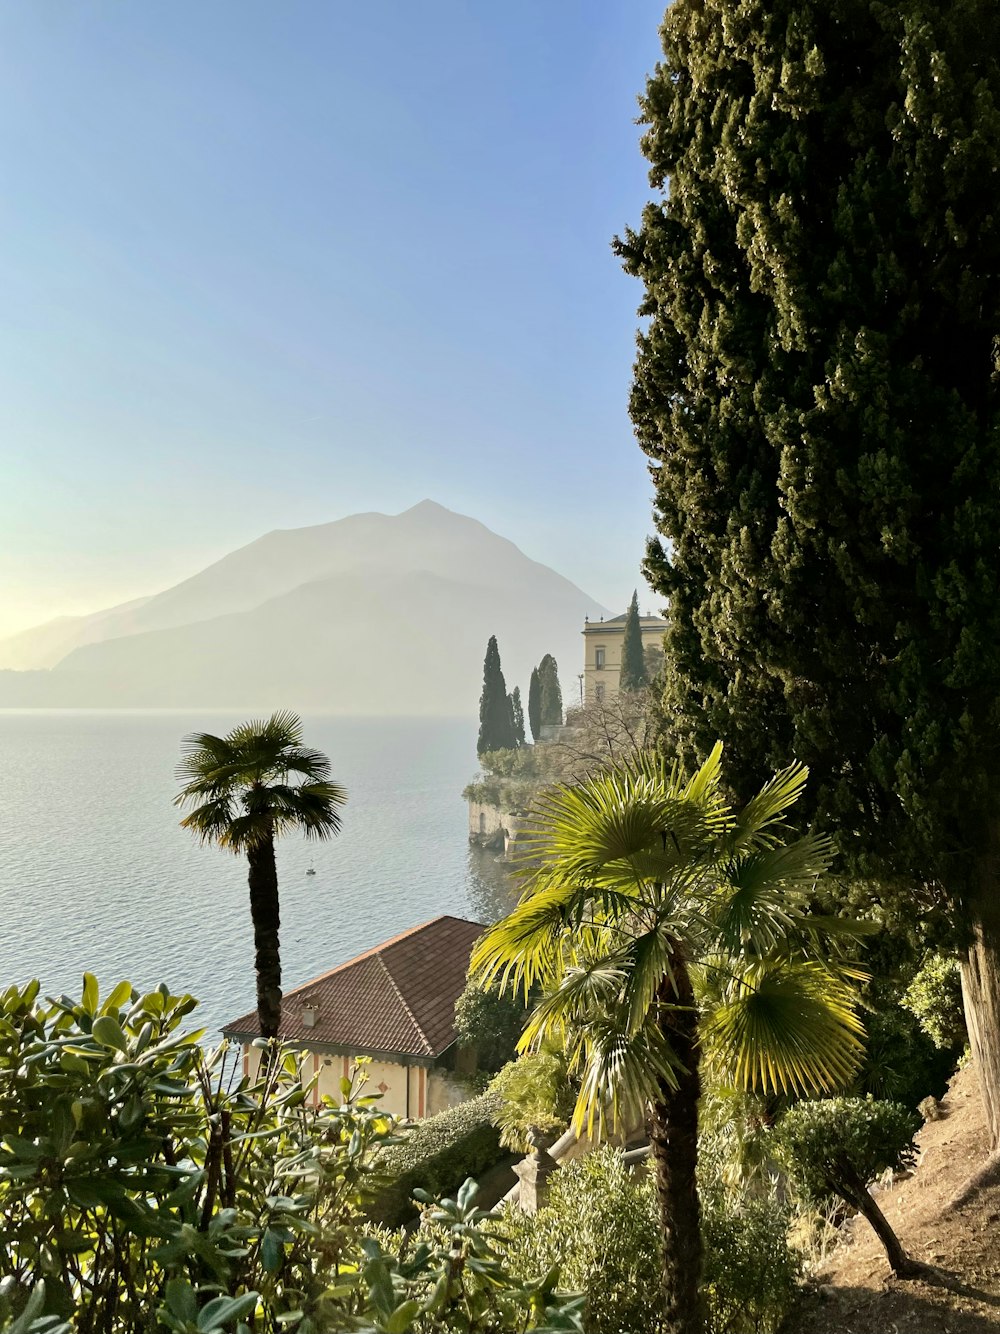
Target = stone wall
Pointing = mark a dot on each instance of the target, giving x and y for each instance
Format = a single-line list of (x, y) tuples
[(486, 825)]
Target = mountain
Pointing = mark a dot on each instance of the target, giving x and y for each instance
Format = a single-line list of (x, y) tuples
[(373, 614)]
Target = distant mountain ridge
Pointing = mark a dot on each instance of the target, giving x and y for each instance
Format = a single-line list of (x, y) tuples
[(370, 614)]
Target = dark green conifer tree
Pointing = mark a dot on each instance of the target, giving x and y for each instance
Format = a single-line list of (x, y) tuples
[(517, 714), (633, 670), (551, 692), (535, 705), (818, 390), (496, 722)]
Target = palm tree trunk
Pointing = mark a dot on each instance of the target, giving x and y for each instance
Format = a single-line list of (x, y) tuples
[(674, 1139), (265, 915)]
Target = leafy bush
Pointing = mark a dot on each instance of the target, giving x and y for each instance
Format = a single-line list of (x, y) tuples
[(935, 998), (535, 1094), (600, 1223), (490, 1023), (148, 1189), (838, 1145), (751, 1272), (901, 1062), (832, 1141), (435, 1156)]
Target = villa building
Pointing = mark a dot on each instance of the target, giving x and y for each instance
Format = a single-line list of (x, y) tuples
[(394, 1004), (602, 653)]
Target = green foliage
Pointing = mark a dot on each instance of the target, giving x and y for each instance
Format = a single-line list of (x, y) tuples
[(935, 998), (551, 705), (436, 1155), (496, 720), (633, 669), (240, 790), (838, 1145), (535, 1094), (815, 388), (143, 1188), (30, 1305), (517, 712), (456, 1277), (489, 1022), (600, 1224), (751, 1274), (510, 778), (535, 705), (660, 867), (128, 1161)]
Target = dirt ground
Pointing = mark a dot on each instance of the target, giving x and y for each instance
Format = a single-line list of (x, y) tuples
[(855, 1293)]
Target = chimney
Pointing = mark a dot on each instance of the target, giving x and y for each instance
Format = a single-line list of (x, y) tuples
[(308, 1013)]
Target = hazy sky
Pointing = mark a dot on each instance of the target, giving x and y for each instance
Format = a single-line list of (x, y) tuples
[(264, 263)]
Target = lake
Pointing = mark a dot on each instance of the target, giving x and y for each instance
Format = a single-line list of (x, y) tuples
[(96, 874)]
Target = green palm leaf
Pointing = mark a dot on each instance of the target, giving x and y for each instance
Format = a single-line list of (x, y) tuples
[(785, 1026)]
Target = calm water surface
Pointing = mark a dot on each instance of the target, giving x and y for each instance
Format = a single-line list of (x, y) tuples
[(96, 874)]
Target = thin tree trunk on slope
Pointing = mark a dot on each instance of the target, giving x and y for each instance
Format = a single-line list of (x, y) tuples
[(264, 913), (674, 1138), (981, 991), (858, 1194)]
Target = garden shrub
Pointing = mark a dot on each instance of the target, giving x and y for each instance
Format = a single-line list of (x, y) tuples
[(600, 1223), (145, 1188), (751, 1273), (436, 1156), (935, 998), (901, 1063), (535, 1093), (822, 1142), (490, 1023), (836, 1146)]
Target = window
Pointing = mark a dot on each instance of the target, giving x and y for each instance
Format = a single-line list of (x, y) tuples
[(599, 659), (599, 693)]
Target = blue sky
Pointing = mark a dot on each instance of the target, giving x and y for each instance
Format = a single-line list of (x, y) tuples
[(264, 264)]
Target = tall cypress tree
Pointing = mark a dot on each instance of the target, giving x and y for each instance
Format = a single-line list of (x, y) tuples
[(496, 723), (551, 692), (535, 704), (633, 670), (818, 389), (517, 714)]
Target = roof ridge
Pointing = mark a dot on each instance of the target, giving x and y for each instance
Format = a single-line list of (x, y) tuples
[(402, 1000), (377, 949)]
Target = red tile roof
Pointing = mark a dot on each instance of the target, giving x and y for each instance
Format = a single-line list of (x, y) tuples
[(397, 998)]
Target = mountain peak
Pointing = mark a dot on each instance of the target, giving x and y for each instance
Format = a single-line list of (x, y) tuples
[(428, 507)]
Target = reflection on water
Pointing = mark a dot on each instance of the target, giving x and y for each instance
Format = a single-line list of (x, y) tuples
[(493, 889)]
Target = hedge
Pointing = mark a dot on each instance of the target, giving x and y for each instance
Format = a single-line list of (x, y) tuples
[(437, 1155)]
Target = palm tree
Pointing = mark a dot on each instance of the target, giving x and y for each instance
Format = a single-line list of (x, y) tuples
[(243, 799), (669, 933)]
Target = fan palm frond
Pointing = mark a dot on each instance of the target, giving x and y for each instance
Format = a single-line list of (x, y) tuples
[(758, 823), (785, 1026)]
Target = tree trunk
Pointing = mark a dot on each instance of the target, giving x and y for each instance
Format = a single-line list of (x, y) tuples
[(981, 987), (264, 913), (674, 1139), (858, 1194)]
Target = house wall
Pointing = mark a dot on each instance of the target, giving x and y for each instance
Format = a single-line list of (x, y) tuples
[(600, 684), (430, 1090)]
